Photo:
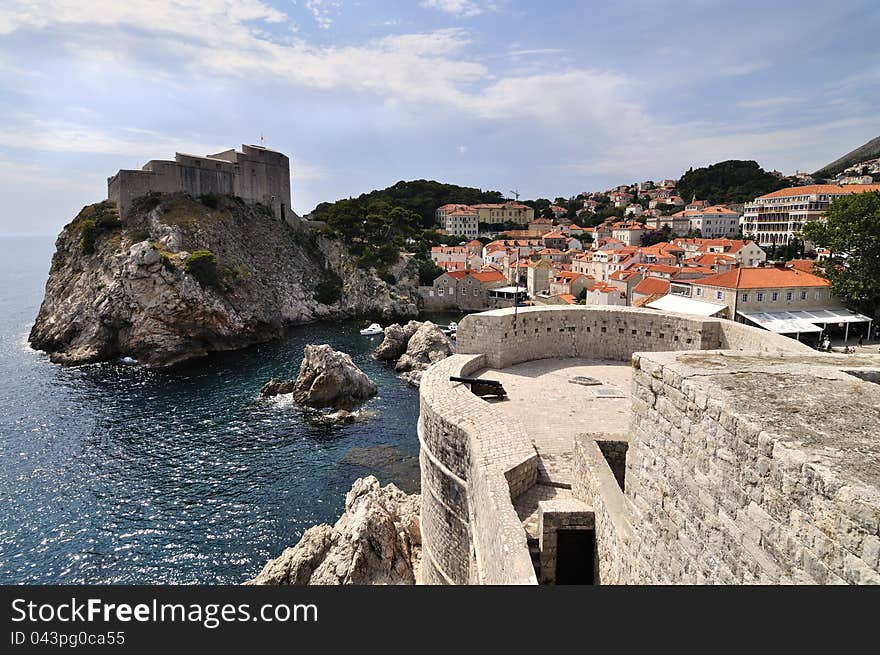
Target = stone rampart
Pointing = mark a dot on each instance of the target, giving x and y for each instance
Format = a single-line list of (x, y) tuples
[(758, 463), (508, 337), (472, 462), (742, 468)]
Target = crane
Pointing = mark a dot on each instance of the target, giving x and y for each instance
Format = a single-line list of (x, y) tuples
[(516, 195)]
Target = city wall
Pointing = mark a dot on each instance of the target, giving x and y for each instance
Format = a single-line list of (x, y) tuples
[(750, 457), (742, 469)]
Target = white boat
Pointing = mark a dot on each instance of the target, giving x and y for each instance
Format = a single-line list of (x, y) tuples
[(450, 329), (374, 328)]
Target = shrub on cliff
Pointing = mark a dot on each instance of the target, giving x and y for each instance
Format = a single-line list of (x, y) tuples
[(202, 265), (88, 235), (210, 200), (93, 221)]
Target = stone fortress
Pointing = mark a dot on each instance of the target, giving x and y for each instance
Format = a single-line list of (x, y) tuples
[(638, 447), (256, 174)]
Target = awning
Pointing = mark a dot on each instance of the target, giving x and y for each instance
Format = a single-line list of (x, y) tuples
[(802, 320), (508, 290), (684, 305), (780, 324)]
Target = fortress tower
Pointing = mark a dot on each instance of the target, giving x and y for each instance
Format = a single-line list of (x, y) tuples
[(256, 174)]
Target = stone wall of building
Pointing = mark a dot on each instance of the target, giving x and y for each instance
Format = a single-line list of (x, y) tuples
[(255, 174)]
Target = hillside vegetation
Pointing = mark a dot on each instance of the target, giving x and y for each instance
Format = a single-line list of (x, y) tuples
[(419, 196), (870, 150), (732, 181), (377, 226)]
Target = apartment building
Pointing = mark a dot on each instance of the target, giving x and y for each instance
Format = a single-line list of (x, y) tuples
[(506, 212), (777, 217), (461, 222)]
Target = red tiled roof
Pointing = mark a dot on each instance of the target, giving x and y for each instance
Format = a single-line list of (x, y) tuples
[(652, 285), (805, 265), (487, 276), (818, 189), (763, 278)]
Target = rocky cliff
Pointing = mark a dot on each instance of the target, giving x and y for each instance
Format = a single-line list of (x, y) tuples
[(376, 541), (182, 277)]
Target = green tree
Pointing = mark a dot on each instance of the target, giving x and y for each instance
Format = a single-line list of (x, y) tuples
[(428, 271), (728, 181), (851, 231)]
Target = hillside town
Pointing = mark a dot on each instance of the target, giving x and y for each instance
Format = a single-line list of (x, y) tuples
[(643, 245)]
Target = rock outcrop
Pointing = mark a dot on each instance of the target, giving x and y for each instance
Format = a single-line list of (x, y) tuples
[(396, 340), (376, 541), (277, 387), (180, 278), (328, 378), (427, 346)]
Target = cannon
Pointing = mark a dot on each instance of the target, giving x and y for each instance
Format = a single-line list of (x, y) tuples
[(480, 387)]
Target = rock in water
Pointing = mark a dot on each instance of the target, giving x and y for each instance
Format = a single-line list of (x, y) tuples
[(276, 387), (376, 541), (427, 346), (330, 379), (396, 340)]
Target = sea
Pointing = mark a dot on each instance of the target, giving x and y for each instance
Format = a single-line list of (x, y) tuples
[(115, 474)]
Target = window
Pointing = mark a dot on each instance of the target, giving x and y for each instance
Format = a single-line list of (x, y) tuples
[(476, 292), (803, 295), (788, 295), (440, 292), (775, 296), (699, 291), (719, 295), (818, 295), (745, 297)]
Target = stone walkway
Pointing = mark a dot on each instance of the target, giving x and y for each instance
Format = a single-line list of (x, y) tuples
[(553, 411)]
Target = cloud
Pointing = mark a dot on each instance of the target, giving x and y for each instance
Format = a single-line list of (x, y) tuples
[(461, 8), (769, 103), (320, 11)]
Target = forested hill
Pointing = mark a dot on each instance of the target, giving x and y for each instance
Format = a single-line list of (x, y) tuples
[(730, 181), (420, 196)]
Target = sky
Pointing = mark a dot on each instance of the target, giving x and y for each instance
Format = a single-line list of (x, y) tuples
[(547, 98)]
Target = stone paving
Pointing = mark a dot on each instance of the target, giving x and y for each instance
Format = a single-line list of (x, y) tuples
[(553, 410)]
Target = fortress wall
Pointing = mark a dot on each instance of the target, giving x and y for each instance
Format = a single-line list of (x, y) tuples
[(715, 491), (731, 478), (592, 332), (508, 337), (256, 175), (594, 483), (470, 468), (739, 336)]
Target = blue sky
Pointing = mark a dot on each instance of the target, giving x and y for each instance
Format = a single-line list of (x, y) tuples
[(550, 98)]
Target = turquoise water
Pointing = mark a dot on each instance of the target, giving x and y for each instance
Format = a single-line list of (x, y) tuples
[(114, 474)]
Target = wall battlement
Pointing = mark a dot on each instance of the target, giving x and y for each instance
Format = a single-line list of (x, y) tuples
[(748, 458), (255, 174)]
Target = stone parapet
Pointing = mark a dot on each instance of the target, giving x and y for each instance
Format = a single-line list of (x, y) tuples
[(472, 462)]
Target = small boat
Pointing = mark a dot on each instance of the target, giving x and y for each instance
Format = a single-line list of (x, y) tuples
[(374, 328), (450, 329)]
